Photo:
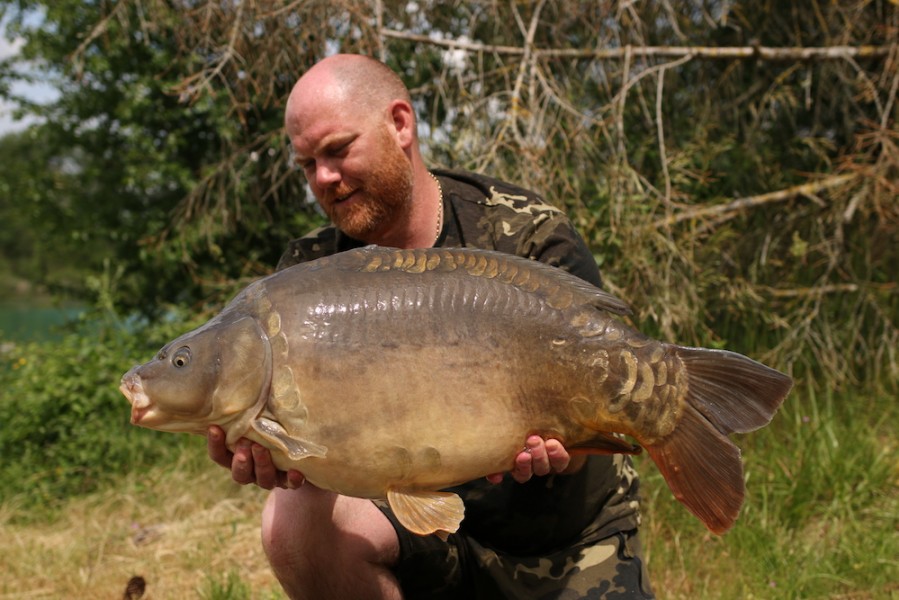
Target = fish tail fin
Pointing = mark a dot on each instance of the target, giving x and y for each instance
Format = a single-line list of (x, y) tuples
[(726, 393)]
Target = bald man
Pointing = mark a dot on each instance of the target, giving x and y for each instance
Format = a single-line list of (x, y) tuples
[(554, 526)]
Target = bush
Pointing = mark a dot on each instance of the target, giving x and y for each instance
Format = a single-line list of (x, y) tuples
[(66, 427)]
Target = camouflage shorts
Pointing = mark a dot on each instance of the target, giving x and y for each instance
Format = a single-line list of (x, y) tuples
[(461, 568)]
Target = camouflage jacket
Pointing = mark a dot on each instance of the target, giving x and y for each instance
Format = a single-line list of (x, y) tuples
[(550, 512)]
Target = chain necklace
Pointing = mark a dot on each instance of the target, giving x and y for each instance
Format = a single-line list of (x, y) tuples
[(439, 207)]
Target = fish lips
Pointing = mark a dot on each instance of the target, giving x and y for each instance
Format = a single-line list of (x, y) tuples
[(133, 389)]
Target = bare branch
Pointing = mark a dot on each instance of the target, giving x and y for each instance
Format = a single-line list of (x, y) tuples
[(705, 52), (752, 201)]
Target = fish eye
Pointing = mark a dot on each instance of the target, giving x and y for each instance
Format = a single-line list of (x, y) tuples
[(181, 358)]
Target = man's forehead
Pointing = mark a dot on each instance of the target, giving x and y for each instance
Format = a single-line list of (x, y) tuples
[(318, 133)]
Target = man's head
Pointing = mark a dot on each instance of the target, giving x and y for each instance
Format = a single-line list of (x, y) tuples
[(352, 129)]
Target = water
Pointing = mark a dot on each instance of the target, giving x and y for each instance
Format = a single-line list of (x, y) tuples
[(24, 322)]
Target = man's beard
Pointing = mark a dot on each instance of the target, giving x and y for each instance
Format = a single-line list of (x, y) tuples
[(384, 198)]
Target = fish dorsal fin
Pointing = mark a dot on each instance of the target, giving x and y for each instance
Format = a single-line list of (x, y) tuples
[(427, 512), (296, 449), (560, 288), (605, 443)]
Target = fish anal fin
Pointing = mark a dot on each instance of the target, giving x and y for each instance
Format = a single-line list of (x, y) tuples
[(427, 512), (703, 469), (295, 449), (604, 443)]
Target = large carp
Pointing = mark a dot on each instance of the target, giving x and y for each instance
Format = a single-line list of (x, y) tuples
[(383, 373)]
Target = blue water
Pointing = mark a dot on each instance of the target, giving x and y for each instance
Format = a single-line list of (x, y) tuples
[(21, 322)]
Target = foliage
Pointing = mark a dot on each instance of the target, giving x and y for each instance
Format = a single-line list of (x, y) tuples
[(66, 428), (118, 151), (746, 202), (45, 239), (167, 524)]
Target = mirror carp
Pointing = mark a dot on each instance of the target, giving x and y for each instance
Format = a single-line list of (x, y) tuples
[(385, 373)]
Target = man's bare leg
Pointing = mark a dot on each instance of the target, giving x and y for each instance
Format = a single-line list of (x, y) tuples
[(322, 545)]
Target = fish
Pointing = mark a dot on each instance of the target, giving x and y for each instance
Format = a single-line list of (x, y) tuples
[(396, 374)]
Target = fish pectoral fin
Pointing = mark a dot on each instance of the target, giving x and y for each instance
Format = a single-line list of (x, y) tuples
[(605, 443), (427, 512), (296, 449)]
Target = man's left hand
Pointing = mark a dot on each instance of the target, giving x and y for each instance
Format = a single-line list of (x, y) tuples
[(541, 457)]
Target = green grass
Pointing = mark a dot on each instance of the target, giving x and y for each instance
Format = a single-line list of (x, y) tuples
[(821, 518)]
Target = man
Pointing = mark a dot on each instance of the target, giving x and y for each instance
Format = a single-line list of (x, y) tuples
[(556, 526)]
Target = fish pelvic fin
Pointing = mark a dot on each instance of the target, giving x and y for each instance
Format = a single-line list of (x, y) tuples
[(427, 512), (726, 393)]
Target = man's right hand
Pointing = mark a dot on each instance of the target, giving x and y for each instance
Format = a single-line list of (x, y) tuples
[(250, 462)]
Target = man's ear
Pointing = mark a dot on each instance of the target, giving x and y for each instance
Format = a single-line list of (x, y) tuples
[(402, 117)]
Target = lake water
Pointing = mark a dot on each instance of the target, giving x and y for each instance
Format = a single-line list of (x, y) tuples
[(22, 322)]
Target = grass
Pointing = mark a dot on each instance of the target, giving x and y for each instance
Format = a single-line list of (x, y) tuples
[(185, 528), (821, 520)]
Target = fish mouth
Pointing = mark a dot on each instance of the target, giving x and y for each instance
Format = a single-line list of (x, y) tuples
[(133, 389)]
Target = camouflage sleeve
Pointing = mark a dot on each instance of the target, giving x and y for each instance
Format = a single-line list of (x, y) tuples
[(527, 226)]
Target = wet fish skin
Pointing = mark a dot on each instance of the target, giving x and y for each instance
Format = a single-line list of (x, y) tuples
[(396, 373)]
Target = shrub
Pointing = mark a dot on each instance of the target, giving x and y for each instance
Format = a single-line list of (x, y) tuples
[(65, 426)]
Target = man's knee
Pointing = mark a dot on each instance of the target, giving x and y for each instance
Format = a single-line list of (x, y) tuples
[(282, 530), (322, 545), (325, 523)]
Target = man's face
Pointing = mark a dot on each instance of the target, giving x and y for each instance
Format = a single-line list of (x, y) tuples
[(354, 165)]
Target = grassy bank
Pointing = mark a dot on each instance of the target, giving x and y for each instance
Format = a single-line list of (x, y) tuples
[(821, 520), (183, 527)]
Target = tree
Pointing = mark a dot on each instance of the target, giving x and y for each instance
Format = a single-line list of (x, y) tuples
[(129, 150), (732, 164)]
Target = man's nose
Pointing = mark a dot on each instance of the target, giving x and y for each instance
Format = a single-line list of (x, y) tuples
[(326, 173)]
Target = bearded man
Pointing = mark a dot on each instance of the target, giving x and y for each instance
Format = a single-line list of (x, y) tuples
[(554, 526)]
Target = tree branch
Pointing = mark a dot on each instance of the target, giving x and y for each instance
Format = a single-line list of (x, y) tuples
[(751, 201), (730, 52)]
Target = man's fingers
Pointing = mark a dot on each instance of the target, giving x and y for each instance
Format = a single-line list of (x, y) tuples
[(267, 476), (294, 479), (559, 458), (242, 467), (495, 478), (249, 463), (522, 471), (536, 447), (215, 447), (540, 458)]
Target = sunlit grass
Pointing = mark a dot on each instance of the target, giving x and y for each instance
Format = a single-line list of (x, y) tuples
[(821, 518), (185, 528)]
